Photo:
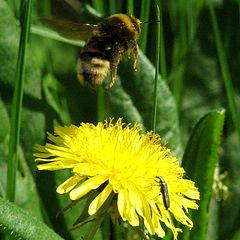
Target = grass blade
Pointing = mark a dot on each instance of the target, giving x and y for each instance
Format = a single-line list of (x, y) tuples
[(99, 6), (130, 7), (179, 52), (17, 103), (225, 70), (163, 64), (144, 16), (101, 111), (112, 7), (157, 54)]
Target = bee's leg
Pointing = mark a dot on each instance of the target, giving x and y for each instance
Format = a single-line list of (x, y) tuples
[(114, 67), (115, 60), (135, 55), (133, 47), (129, 53), (113, 75)]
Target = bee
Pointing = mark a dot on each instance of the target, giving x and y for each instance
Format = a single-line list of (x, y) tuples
[(164, 192), (106, 43)]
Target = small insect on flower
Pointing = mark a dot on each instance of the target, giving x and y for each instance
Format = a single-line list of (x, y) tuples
[(164, 192), (107, 42)]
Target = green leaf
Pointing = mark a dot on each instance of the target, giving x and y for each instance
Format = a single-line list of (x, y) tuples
[(202, 92), (4, 126), (4, 131), (9, 38), (26, 194), (55, 97), (144, 16), (199, 161), (133, 101), (213, 222), (121, 103), (20, 224)]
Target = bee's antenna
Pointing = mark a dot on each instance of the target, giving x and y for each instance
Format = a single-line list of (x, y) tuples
[(150, 21)]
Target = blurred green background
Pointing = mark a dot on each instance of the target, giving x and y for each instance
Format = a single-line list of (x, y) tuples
[(199, 75)]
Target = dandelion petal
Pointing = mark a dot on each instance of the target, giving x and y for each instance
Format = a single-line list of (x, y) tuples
[(99, 200), (69, 184), (87, 186)]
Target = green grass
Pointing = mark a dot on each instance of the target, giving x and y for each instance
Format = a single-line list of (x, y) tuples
[(225, 71), (157, 58), (194, 48), (16, 111)]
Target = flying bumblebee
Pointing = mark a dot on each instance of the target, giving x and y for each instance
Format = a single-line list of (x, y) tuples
[(106, 43)]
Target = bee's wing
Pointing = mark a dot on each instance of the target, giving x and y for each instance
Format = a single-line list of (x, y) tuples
[(71, 30)]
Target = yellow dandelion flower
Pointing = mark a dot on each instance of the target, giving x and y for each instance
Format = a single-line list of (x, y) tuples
[(118, 160)]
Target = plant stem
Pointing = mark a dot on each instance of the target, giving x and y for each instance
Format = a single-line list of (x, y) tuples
[(157, 55), (17, 103)]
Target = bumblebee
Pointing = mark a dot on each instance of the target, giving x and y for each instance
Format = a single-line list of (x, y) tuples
[(107, 42), (164, 192)]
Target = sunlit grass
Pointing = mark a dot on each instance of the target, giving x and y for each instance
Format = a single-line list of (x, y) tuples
[(192, 50)]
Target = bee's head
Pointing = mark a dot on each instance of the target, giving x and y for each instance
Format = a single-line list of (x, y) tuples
[(136, 23)]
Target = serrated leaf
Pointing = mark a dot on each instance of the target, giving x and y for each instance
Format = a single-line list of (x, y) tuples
[(199, 161), (135, 101), (20, 224)]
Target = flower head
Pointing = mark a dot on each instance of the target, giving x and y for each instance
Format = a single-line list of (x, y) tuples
[(117, 159)]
